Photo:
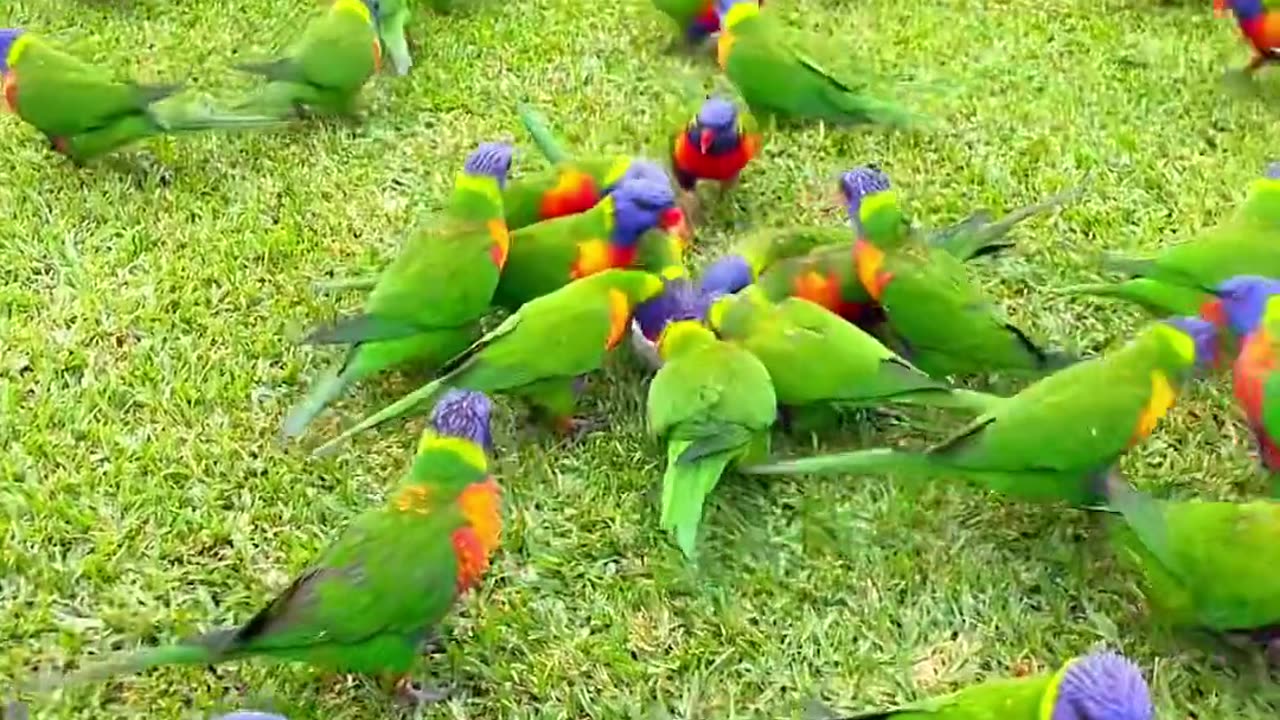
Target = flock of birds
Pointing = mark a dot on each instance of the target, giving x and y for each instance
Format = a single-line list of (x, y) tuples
[(792, 323)]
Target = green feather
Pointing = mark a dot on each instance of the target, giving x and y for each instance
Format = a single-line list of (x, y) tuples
[(540, 131), (685, 487)]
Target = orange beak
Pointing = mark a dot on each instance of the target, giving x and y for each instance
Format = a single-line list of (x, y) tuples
[(1212, 311), (1219, 8), (673, 221), (705, 139)]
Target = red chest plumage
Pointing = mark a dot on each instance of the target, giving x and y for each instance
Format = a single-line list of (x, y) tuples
[(574, 192), (1254, 365), (10, 84), (1263, 32), (692, 161)]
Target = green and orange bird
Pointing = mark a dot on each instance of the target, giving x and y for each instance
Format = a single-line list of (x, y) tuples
[(84, 112), (428, 303), (1205, 565), (713, 403), (780, 83), (936, 315), (367, 603), (549, 254), (1250, 306), (1099, 686), (324, 71), (573, 184), (1173, 280), (539, 352), (1058, 438)]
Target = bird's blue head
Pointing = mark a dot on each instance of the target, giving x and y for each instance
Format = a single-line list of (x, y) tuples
[(1203, 335), (734, 11), (714, 130), (1244, 10), (679, 300), (492, 159), (640, 169), (1243, 299), (464, 414), (858, 183), (1102, 686), (725, 276), (8, 38), (639, 205)]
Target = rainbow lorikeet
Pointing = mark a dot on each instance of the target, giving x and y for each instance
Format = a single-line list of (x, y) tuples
[(1175, 279), (1098, 686), (779, 82), (326, 68), (539, 351), (1057, 438), (551, 253), (84, 112), (428, 303), (713, 403), (814, 356), (367, 602), (1208, 565), (1259, 22), (573, 184), (696, 19), (940, 320), (1251, 308), (715, 145)]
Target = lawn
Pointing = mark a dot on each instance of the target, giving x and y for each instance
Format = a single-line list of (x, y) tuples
[(152, 304)]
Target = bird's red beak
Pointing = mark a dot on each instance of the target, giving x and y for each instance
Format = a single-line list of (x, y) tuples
[(673, 221), (1219, 8), (1212, 311), (705, 139)]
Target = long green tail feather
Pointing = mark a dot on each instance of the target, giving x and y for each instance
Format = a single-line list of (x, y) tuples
[(193, 653), (406, 405), (857, 461), (857, 108), (540, 131), (1127, 265), (685, 487), (957, 398), (1142, 514), (1157, 298), (325, 390), (988, 238)]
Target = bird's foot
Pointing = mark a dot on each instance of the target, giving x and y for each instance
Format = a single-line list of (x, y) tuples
[(414, 693), (576, 428), (691, 205), (431, 644)]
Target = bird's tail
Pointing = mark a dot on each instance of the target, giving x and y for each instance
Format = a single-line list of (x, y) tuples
[(325, 390), (199, 114), (685, 487), (988, 238), (956, 398), (278, 100), (877, 460), (201, 651), (1142, 513), (1158, 298), (861, 108), (1127, 265), (540, 131), (409, 404)]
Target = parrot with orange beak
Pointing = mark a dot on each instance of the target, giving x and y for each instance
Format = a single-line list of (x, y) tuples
[(716, 145)]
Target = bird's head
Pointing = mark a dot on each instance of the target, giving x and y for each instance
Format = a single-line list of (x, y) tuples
[(491, 159), (1102, 686), (859, 183), (714, 130), (464, 414), (726, 275), (1242, 300), (641, 204), (8, 43)]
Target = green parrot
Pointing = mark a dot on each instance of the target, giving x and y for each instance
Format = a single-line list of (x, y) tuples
[(713, 403), (1099, 686), (1174, 280), (428, 303), (777, 81), (1057, 438), (368, 602), (84, 112), (538, 352), (1208, 565), (814, 356), (549, 254), (326, 68)]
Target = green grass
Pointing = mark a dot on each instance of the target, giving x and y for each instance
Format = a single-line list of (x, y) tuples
[(149, 315)]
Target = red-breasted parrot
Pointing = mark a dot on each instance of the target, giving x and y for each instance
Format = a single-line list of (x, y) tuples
[(549, 254), (324, 71), (1098, 686), (1057, 439), (714, 146), (538, 352), (368, 602), (1174, 279), (428, 303), (814, 356), (84, 112), (713, 403), (1205, 564), (1251, 308), (697, 20), (777, 81), (1259, 22)]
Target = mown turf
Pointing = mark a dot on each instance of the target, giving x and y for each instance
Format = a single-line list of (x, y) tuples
[(151, 303)]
